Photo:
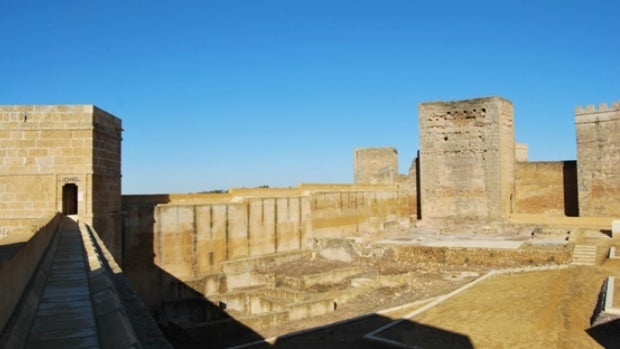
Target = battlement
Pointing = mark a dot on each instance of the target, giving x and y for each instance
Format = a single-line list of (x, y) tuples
[(602, 107)]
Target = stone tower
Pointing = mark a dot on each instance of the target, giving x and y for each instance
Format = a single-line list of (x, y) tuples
[(62, 158), (467, 156), (376, 165), (598, 160)]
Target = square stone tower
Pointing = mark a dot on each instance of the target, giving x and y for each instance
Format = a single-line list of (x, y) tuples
[(467, 156), (61, 158), (376, 165), (598, 160)]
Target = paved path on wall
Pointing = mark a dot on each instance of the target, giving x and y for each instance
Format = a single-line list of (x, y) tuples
[(65, 317)]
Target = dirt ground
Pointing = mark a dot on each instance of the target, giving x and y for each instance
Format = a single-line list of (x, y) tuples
[(545, 309), (550, 309)]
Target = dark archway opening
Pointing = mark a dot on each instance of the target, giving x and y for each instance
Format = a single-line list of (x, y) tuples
[(69, 199)]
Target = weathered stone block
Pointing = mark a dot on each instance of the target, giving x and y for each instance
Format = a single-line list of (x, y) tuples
[(615, 228)]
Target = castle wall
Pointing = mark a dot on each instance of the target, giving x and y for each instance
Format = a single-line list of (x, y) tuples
[(354, 213), (598, 156), (375, 165), (546, 188), (191, 241), (467, 156), (21, 255), (186, 237)]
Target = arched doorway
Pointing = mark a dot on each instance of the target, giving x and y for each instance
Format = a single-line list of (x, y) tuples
[(69, 199)]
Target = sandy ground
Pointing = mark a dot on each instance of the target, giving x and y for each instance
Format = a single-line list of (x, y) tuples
[(548, 309)]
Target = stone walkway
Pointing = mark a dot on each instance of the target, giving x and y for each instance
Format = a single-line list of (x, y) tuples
[(65, 317)]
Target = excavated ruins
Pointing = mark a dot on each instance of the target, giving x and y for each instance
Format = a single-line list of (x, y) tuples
[(343, 279)]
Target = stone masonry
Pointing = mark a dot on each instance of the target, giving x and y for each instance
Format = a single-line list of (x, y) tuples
[(61, 158), (376, 165), (467, 157), (598, 159)]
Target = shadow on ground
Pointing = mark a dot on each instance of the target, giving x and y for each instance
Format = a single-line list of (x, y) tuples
[(351, 335), (607, 334)]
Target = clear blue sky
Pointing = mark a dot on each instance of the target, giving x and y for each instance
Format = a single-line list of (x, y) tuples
[(219, 94)]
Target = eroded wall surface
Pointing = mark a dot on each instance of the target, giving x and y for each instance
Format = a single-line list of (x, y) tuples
[(598, 158), (467, 156)]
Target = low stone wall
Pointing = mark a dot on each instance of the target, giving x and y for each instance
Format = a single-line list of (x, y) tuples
[(498, 258), (328, 277), (20, 254)]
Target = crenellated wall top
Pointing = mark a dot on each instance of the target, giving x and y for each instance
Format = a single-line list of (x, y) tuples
[(602, 107), (593, 114)]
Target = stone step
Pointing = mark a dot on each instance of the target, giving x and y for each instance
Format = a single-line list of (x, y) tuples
[(584, 255), (595, 234)]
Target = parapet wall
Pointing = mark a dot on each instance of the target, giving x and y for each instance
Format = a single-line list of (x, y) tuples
[(598, 156), (20, 254)]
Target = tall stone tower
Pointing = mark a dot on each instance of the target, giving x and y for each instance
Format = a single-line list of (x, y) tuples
[(467, 156), (598, 160), (376, 165), (62, 158)]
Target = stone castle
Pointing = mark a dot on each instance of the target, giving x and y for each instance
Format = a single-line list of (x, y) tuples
[(469, 170)]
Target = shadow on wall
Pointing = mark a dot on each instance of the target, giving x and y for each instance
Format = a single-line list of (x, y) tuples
[(571, 194), (187, 318), (351, 334)]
